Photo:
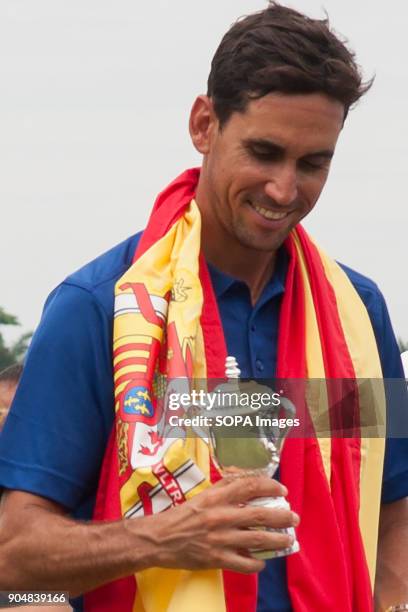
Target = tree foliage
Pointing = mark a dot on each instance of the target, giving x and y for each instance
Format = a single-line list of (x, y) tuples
[(7, 319), (9, 355)]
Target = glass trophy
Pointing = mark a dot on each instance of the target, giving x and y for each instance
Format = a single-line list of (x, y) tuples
[(247, 440)]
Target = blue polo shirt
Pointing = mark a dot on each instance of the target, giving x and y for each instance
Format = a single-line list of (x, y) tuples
[(55, 437)]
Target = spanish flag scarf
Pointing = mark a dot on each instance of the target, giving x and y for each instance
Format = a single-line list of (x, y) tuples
[(167, 326)]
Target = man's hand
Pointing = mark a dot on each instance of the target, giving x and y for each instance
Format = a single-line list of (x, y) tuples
[(42, 549), (213, 529)]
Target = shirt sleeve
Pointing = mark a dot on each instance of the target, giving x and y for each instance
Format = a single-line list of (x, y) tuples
[(55, 436), (395, 475)]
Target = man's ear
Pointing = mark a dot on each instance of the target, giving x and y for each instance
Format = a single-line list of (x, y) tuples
[(203, 124)]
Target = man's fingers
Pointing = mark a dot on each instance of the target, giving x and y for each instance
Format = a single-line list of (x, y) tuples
[(254, 539), (258, 516), (248, 516), (243, 488), (262, 539), (241, 563)]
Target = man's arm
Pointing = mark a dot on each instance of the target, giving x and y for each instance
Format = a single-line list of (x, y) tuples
[(391, 584), (42, 549)]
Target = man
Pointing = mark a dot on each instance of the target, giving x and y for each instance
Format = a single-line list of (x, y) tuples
[(8, 383), (279, 90)]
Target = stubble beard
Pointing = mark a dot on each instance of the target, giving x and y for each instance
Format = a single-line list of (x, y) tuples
[(236, 232), (254, 241)]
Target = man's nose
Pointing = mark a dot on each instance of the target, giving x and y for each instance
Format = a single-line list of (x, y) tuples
[(282, 187)]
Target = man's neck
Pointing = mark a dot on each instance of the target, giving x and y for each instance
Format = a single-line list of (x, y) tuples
[(224, 251), (255, 268)]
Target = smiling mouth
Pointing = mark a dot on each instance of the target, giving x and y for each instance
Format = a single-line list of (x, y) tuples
[(270, 214)]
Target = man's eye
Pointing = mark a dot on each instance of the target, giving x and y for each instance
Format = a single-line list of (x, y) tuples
[(309, 165), (262, 154)]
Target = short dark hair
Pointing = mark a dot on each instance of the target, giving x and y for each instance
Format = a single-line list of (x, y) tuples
[(279, 49), (12, 373)]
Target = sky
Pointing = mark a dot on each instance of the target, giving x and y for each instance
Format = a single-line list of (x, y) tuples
[(94, 104)]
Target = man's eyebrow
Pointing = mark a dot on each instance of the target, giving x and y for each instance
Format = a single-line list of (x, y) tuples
[(327, 153), (264, 143), (273, 147)]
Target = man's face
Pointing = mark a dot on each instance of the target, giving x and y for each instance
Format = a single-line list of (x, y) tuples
[(265, 169)]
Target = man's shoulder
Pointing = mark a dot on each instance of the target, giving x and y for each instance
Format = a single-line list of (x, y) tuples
[(366, 288), (375, 304), (107, 267), (94, 282)]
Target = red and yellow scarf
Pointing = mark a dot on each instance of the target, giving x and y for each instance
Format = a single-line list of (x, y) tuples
[(167, 326)]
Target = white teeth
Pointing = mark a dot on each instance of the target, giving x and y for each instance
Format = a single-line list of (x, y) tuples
[(270, 214)]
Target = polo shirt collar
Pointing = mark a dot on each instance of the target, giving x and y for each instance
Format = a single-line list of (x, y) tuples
[(275, 286)]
